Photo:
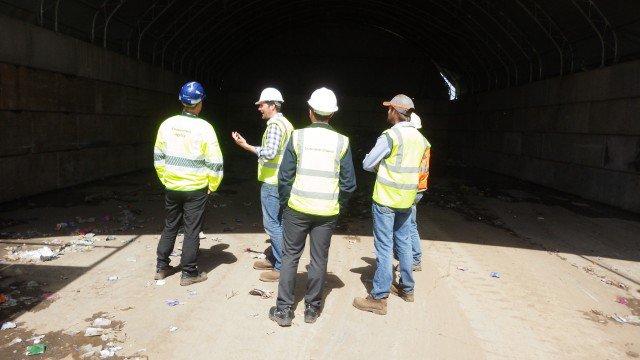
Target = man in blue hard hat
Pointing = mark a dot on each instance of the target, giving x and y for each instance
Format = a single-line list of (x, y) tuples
[(188, 161)]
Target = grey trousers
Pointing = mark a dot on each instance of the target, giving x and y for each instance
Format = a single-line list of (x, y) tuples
[(295, 228)]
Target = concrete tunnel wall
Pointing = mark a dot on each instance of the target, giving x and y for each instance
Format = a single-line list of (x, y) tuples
[(72, 112), (578, 133)]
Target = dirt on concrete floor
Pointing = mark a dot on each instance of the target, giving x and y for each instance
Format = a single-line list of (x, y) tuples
[(568, 285)]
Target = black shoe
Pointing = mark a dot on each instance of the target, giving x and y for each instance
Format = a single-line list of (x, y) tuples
[(162, 273), (282, 317), (311, 313), (187, 279)]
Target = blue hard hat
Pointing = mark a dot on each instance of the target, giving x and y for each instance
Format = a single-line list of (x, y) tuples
[(191, 93)]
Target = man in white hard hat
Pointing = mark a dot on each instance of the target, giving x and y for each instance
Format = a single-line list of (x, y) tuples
[(269, 154), (315, 181), (396, 159)]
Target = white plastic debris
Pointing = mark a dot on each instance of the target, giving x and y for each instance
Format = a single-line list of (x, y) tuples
[(15, 341), (42, 254), (202, 235), (109, 352), (101, 322), (173, 328), (161, 282), (8, 325), (113, 278), (92, 331)]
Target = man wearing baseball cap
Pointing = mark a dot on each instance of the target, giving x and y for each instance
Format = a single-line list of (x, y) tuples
[(396, 159)]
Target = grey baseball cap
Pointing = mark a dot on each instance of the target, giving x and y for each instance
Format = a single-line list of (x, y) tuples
[(402, 103)]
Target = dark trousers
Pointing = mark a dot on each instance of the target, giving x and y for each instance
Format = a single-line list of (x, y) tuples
[(295, 228), (186, 207)]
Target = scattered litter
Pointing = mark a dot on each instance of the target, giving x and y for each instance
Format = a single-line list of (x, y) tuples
[(101, 322), (173, 329), (3, 298), (88, 351), (93, 331), (193, 293), (621, 300), (496, 275), (202, 236), (161, 282), (462, 268), (254, 315), (42, 254), (174, 302), (15, 341), (232, 294), (8, 325), (110, 237), (265, 294), (49, 296), (252, 251), (109, 352), (36, 339), (217, 239), (259, 256), (174, 254), (113, 278), (127, 241), (131, 259), (36, 349)]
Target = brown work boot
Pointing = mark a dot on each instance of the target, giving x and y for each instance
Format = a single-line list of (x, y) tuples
[(164, 272), (263, 265), (370, 304), (270, 276), (397, 291)]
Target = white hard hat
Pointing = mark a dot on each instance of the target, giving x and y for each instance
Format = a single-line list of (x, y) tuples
[(323, 101), (415, 121), (270, 94)]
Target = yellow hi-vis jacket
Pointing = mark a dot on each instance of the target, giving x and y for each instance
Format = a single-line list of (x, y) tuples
[(397, 181), (268, 169), (187, 155), (315, 189)]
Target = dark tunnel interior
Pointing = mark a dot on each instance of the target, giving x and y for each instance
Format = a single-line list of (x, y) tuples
[(515, 87)]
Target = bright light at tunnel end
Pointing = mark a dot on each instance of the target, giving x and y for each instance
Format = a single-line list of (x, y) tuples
[(452, 89)]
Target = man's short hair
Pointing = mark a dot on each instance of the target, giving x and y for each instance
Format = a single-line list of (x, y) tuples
[(277, 104), (323, 118), (404, 117)]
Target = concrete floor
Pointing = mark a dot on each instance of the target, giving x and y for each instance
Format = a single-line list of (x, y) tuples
[(565, 264)]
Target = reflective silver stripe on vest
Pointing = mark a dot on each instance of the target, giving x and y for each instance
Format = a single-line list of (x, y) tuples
[(394, 185), (213, 166), (317, 173), (158, 156), (182, 162), (270, 165), (400, 146), (338, 153), (401, 169), (314, 195)]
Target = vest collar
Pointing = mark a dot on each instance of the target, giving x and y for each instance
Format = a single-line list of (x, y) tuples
[(186, 113)]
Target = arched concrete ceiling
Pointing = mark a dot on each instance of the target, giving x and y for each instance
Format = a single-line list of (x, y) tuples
[(480, 44)]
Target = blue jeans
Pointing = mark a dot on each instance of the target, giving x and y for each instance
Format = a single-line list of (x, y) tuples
[(391, 226), (415, 236), (272, 221)]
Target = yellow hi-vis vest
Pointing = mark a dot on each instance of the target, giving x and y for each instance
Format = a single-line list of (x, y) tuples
[(268, 169), (187, 155), (315, 189), (397, 181)]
